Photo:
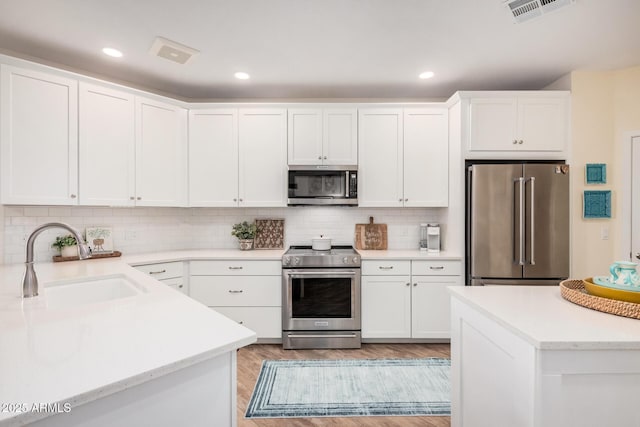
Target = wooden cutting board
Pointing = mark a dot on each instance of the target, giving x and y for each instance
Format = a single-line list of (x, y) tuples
[(371, 236)]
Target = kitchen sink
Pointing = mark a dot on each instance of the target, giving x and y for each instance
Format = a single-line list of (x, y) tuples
[(90, 291)]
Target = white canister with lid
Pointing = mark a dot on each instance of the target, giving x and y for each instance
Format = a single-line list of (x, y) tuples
[(321, 243)]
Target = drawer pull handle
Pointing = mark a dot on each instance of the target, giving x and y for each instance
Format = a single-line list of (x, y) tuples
[(235, 292), (386, 268), (437, 268), (235, 268), (158, 272)]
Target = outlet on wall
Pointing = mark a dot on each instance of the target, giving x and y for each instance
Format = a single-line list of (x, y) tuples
[(604, 232)]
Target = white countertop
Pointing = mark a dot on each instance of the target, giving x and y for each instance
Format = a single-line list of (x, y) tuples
[(200, 254), (399, 254), (542, 317), (82, 353)]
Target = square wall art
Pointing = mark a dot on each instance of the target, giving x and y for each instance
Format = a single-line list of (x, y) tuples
[(597, 204), (596, 173)]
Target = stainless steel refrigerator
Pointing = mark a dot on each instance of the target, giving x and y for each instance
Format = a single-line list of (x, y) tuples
[(517, 223)]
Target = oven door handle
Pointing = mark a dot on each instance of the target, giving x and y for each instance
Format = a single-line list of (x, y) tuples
[(302, 274)]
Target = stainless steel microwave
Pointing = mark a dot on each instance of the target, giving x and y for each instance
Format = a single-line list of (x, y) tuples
[(323, 185)]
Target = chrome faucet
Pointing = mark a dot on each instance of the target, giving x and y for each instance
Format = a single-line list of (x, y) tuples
[(30, 282)]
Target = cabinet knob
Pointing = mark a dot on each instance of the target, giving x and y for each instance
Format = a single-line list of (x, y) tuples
[(415, 284), (240, 200), (515, 141), (241, 322), (319, 157), (181, 286), (399, 200), (408, 284), (235, 200), (132, 198), (325, 157), (73, 196), (520, 142), (139, 198), (406, 200)]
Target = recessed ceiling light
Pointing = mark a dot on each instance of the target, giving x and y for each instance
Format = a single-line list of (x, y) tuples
[(241, 75), (112, 52), (426, 75)]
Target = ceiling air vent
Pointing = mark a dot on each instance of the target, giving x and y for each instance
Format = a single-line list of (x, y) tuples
[(525, 10), (173, 51)]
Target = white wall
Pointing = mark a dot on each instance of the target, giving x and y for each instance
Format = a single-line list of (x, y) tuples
[(138, 230)]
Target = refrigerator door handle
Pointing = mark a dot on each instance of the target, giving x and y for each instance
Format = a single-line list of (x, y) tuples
[(521, 260), (532, 226)]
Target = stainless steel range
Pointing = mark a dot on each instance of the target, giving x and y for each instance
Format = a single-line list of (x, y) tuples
[(321, 298)]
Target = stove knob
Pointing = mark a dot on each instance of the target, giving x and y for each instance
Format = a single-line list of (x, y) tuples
[(296, 261), (355, 259), (286, 260), (345, 260)]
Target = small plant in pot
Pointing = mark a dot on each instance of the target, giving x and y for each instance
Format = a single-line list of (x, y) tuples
[(67, 245), (245, 232)]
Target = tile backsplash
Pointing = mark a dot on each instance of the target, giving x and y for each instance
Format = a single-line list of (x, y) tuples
[(140, 229)]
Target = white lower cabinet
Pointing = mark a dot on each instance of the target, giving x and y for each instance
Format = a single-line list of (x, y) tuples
[(248, 292), (407, 299), (169, 273)]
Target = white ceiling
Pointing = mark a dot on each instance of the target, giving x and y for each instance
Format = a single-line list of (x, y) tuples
[(325, 48)]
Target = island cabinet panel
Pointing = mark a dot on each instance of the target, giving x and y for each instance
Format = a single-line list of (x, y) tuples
[(532, 373), (38, 137), (247, 291), (204, 393)]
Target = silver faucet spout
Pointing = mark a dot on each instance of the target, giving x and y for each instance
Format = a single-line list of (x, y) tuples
[(30, 281)]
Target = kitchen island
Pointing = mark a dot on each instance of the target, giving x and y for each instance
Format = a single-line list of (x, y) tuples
[(524, 356), (153, 358)]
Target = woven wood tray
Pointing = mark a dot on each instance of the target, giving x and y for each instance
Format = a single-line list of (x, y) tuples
[(58, 258), (574, 291)]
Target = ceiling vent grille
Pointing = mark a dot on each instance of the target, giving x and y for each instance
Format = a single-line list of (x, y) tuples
[(525, 10), (173, 51)]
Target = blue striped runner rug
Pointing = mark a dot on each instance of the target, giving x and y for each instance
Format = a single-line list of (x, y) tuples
[(351, 388)]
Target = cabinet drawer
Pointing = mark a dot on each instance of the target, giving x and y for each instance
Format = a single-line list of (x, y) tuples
[(266, 322), (176, 283), (216, 291), (165, 270), (436, 268), (385, 268), (239, 268)]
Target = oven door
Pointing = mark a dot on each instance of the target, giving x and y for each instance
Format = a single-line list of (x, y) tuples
[(321, 299)]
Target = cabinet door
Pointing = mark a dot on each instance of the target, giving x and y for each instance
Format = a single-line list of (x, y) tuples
[(386, 307), (107, 146), (263, 157), (542, 124), (430, 306), (492, 124), (161, 146), (213, 157), (426, 157), (340, 137), (380, 158), (305, 136), (39, 138)]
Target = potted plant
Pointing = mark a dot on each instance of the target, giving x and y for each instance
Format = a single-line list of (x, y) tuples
[(245, 232), (67, 245)]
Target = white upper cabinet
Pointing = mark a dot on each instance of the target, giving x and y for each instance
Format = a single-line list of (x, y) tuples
[(323, 136), (380, 157), (426, 157), (519, 125), (107, 146), (161, 154), (38, 137), (403, 157), (262, 137), (213, 157)]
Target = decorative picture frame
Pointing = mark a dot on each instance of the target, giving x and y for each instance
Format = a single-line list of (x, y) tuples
[(595, 173), (99, 239), (269, 234), (596, 204)]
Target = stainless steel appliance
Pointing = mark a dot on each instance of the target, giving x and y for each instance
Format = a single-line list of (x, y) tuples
[(323, 185), (321, 298), (517, 223)]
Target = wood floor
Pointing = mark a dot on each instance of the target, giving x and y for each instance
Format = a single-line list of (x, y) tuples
[(250, 360)]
